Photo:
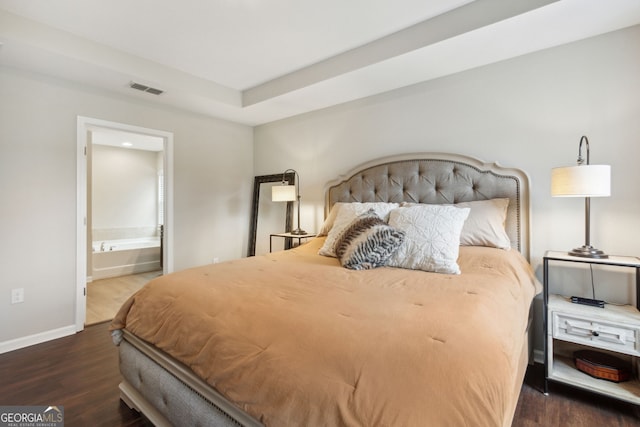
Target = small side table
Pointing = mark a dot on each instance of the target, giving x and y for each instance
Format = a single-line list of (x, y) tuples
[(569, 327), (289, 236)]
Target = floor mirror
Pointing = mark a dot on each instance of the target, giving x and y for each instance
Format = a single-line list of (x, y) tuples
[(269, 217)]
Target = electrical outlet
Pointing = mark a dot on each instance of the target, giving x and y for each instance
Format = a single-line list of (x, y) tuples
[(216, 260), (17, 295)]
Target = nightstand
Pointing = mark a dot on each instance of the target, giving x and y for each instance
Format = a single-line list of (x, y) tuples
[(568, 327), (289, 236)]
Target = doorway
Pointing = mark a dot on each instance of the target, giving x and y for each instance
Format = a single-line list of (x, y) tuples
[(125, 217)]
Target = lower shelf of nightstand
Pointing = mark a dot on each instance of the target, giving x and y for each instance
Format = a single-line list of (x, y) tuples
[(565, 371)]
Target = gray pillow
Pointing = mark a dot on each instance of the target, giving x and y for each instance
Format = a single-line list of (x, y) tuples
[(367, 242)]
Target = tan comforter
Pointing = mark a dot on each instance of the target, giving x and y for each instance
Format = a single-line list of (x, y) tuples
[(294, 339)]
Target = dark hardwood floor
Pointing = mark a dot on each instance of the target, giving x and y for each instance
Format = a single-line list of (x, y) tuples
[(569, 407), (80, 372)]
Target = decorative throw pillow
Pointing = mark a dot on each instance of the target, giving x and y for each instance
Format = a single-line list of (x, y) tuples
[(345, 213), (367, 242), (432, 237)]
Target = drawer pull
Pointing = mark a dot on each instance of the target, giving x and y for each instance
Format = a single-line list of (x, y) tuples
[(595, 333)]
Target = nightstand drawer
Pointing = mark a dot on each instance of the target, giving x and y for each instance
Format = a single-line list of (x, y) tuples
[(596, 333)]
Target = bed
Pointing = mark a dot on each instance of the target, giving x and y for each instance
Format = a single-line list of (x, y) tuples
[(295, 338)]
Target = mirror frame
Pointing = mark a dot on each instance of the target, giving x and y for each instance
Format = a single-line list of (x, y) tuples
[(253, 226)]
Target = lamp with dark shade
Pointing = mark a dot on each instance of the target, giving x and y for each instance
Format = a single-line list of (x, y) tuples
[(584, 180), (289, 193)]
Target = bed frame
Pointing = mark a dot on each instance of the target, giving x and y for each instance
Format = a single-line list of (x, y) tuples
[(168, 393)]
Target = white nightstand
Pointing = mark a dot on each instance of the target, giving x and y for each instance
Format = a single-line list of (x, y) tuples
[(568, 327), (289, 236)]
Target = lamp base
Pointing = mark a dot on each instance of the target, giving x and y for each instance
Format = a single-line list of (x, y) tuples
[(299, 232), (588, 252)]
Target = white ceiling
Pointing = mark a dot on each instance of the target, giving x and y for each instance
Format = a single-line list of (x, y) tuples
[(255, 61)]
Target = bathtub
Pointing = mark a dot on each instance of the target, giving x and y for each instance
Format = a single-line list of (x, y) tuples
[(113, 258)]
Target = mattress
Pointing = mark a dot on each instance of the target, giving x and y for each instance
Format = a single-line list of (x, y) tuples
[(292, 338)]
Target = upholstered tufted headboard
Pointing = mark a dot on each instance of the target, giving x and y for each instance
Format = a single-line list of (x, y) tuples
[(438, 178)]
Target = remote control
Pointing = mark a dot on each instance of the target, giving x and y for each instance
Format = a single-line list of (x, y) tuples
[(588, 301)]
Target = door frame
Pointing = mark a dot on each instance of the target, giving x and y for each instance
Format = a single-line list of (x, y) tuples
[(84, 126)]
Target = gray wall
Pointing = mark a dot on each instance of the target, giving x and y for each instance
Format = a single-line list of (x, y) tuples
[(213, 176), (527, 112)]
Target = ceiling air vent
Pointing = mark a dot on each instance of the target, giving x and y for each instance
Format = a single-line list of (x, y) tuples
[(145, 88)]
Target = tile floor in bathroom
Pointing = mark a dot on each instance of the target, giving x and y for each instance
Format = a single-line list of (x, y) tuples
[(105, 296)]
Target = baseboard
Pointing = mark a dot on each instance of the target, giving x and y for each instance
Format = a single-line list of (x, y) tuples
[(22, 342)]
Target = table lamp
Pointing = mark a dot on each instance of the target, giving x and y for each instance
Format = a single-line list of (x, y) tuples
[(583, 180), (288, 193)]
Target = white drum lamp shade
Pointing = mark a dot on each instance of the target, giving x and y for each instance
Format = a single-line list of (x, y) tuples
[(581, 181), (283, 193)]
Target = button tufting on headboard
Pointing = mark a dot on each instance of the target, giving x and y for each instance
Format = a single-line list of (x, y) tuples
[(439, 178)]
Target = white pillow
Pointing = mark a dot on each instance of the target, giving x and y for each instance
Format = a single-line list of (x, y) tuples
[(432, 237), (344, 214), (485, 224), (330, 219)]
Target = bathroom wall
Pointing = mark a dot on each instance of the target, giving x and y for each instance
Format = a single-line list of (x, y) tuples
[(124, 193)]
